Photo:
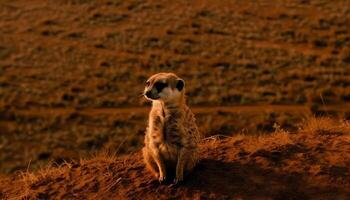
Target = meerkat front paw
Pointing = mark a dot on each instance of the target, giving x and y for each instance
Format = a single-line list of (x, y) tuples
[(178, 179), (161, 179)]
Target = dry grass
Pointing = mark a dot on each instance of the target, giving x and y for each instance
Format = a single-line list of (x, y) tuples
[(318, 153), (322, 126), (27, 182), (98, 54)]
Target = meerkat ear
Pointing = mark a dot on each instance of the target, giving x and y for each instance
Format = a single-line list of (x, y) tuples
[(180, 84)]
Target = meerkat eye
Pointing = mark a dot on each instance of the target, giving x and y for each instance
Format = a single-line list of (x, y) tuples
[(160, 86), (180, 85)]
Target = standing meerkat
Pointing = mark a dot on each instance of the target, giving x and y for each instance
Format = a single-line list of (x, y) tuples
[(172, 136)]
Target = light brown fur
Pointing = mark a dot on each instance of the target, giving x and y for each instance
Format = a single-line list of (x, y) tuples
[(172, 135)]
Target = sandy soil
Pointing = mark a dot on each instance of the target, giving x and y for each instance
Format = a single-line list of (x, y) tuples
[(67, 62), (312, 163)]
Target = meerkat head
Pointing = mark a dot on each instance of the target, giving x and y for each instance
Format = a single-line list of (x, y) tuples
[(166, 87)]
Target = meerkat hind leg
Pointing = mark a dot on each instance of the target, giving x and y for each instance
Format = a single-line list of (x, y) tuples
[(191, 163), (183, 158), (187, 160)]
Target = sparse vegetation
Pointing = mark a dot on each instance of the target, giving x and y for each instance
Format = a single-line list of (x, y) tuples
[(71, 72), (312, 163), (47, 82)]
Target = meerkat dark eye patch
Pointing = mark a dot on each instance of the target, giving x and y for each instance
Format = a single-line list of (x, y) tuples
[(160, 86), (180, 85)]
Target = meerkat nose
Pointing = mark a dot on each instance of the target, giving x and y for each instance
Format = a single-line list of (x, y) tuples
[(149, 94)]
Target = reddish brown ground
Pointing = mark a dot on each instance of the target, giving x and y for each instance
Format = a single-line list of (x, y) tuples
[(312, 163), (71, 72), (68, 66)]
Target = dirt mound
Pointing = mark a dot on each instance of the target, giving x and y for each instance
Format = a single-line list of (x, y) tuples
[(68, 68), (310, 164)]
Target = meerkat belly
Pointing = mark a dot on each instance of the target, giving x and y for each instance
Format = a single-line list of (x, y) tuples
[(167, 148), (169, 152), (171, 144)]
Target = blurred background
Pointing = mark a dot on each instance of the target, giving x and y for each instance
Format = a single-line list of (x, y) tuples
[(71, 71)]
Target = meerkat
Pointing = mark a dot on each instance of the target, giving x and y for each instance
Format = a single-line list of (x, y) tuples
[(172, 136)]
